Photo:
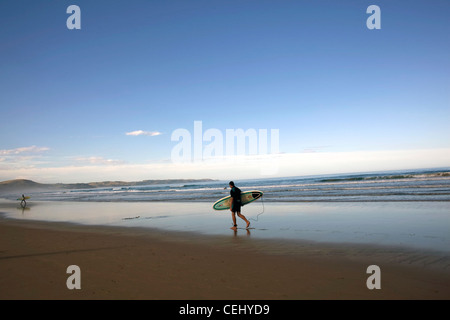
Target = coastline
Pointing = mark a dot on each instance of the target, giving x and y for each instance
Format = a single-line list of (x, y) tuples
[(142, 263)]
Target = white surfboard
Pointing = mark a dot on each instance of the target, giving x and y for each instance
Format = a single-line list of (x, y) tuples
[(246, 197)]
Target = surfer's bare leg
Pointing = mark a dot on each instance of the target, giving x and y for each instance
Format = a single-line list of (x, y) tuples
[(243, 218), (233, 216)]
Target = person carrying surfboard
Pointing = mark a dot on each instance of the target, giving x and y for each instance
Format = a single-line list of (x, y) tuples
[(23, 203), (235, 194)]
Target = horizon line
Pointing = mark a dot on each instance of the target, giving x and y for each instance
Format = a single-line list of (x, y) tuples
[(405, 170)]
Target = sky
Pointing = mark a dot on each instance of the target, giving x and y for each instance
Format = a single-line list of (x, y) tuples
[(103, 102)]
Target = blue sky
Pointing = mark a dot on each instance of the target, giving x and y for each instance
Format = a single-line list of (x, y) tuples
[(311, 69)]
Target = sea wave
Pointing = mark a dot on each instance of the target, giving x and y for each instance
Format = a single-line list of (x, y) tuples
[(389, 186), (388, 177)]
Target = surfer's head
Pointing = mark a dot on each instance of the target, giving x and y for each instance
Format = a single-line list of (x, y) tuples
[(231, 184)]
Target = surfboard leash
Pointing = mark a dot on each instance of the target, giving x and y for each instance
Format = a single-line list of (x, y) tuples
[(257, 216)]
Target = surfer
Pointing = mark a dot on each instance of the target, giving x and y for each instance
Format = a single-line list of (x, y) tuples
[(235, 194), (23, 203)]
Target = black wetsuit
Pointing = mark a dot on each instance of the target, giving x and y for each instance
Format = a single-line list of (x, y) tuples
[(235, 193)]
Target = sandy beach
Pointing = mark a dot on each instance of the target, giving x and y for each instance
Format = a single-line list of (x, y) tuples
[(143, 263)]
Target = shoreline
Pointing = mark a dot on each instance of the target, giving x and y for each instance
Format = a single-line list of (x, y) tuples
[(421, 226), (143, 263)]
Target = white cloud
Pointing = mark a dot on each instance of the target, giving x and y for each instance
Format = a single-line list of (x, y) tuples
[(99, 161), (26, 150), (249, 167), (143, 133), (20, 158)]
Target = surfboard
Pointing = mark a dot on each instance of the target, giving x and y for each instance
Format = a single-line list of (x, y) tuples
[(26, 198), (246, 197)]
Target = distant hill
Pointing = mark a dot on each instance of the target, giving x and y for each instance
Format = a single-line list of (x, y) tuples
[(23, 185), (20, 184)]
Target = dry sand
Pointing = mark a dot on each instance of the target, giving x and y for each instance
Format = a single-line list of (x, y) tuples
[(133, 263)]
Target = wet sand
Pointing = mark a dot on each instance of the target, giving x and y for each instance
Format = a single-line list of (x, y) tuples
[(143, 263)]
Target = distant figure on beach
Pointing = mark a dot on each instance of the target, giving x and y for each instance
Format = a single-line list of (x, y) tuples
[(235, 207), (23, 203)]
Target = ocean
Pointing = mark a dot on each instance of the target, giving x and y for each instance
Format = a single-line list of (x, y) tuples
[(412, 185)]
